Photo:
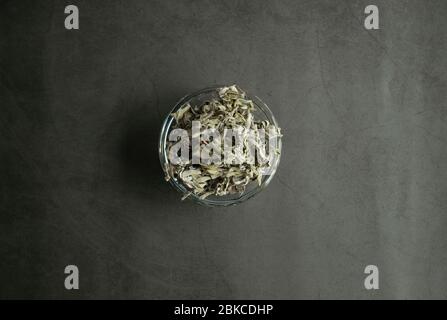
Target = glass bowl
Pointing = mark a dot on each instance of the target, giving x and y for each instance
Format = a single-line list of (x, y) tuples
[(261, 112)]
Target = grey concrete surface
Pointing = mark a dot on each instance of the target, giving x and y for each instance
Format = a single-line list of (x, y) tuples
[(363, 177)]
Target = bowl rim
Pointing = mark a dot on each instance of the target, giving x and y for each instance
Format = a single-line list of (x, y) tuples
[(163, 156)]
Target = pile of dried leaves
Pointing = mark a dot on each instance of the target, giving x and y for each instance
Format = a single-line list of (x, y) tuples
[(231, 110)]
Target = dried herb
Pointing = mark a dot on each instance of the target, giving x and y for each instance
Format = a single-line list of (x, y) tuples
[(230, 110)]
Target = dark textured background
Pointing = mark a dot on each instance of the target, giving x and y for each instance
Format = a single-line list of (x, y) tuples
[(363, 178)]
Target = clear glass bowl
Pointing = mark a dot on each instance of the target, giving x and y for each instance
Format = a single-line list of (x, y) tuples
[(262, 112)]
